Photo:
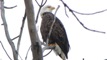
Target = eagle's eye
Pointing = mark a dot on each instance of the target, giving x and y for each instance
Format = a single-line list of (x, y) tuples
[(49, 7)]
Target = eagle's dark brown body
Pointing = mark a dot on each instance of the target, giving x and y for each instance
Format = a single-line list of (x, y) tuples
[(58, 34)]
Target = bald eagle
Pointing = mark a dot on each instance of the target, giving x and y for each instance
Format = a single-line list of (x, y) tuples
[(58, 37)]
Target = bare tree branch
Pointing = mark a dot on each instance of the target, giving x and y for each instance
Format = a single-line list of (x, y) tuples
[(85, 26), (10, 7), (5, 51), (79, 20), (15, 56), (19, 55), (89, 13), (66, 12), (44, 3), (15, 37), (40, 6), (50, 30), (35, 42), (48, 53), (21, 30), (37, 3), (27, 53)]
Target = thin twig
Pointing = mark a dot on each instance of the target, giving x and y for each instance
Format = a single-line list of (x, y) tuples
[(38, 14), (19, 55), (44, 3), (89, 13), (37, 3), (10, 7), (66, 12), (21, 30), (40, 6), (27, 53), (50, 30), (41, 3), (85, 26), (5, 51), (15, 56), (48, 53), (15, 37), (79, 20)]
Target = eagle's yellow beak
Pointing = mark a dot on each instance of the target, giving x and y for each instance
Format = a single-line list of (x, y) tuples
[(52, 8)]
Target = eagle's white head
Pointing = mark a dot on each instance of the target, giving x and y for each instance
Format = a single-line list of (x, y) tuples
[(47, 8)]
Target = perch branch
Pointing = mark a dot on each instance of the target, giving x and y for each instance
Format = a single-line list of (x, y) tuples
[(50, 30), (48, 53)]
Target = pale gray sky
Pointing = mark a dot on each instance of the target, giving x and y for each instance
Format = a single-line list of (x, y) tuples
[(84, 43)]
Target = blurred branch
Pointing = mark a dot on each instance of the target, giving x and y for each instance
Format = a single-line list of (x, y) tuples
[(35, 42), (66, 12), (37, 3), (19, 55), (89, 13), (78, 19), (10, 7), (27, 53), (15, 56), (48, 53), (5, 50), (65, 5), (21, 30), (50, 30), (40, 6), (15, 37)]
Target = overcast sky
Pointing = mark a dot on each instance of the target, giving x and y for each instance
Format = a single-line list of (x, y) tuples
[(84, 43)]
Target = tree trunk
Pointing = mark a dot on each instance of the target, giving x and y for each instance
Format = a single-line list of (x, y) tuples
[(35, 42)]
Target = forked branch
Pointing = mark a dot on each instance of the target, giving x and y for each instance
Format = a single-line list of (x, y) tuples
[(15, 55), (65, 5)]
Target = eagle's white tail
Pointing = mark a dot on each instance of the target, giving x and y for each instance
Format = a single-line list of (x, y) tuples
[(59, 52)]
